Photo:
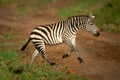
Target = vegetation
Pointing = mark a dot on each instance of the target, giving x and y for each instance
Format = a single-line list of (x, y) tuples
[(11, 68), (106, 12)]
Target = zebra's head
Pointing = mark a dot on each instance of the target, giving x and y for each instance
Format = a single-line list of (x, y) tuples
[(91, 27)]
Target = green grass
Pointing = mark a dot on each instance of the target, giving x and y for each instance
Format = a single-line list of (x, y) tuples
[(10, 62), (7, 2), (8, 41), (79, 7), (8, 55), (107, 12)]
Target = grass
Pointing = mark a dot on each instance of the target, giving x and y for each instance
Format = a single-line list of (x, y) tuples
[(8, 41), (106, 12), (10, 63)]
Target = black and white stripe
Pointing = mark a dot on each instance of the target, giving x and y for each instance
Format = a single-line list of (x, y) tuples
[(63, 31)]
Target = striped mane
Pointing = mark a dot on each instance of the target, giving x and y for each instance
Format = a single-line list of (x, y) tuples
[(78, 16)]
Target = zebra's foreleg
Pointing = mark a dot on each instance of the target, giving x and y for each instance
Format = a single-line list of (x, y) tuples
[(76, 50), (67, 54), (68, 42), (71, 43), (79, 58)]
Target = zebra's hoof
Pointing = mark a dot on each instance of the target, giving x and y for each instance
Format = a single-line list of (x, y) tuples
[(80, 60), (52, 64), (65, 56)]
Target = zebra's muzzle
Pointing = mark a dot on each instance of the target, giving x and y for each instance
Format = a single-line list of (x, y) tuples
[(97, 34)]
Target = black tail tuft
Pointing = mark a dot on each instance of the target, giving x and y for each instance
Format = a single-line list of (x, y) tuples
[(25, 45)]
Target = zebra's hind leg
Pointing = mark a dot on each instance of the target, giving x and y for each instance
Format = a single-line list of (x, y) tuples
[(65, 56), (33, 57), (41, 49), (45, 57)]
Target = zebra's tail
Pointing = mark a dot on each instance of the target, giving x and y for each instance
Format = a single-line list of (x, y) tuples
[(25, 45)]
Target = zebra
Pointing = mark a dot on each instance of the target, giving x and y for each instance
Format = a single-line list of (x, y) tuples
[(60, 32)]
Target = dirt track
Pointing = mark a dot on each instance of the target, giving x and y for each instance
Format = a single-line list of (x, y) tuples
[(101, 55)]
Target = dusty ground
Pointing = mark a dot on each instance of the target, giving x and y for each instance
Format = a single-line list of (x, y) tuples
[(101, 55)]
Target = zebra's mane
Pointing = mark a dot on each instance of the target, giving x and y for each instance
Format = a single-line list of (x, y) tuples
[(85, 16), (79, 16)]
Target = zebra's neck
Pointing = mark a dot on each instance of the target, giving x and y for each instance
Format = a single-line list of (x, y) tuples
[(77, 22), (74, 25)]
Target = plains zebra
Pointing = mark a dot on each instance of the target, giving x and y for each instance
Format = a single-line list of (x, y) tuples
[(60, 32)]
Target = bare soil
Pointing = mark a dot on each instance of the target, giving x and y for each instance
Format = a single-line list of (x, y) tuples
[(101, 55)]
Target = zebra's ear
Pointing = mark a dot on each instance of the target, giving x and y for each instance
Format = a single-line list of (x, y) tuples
[(91, 16)]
